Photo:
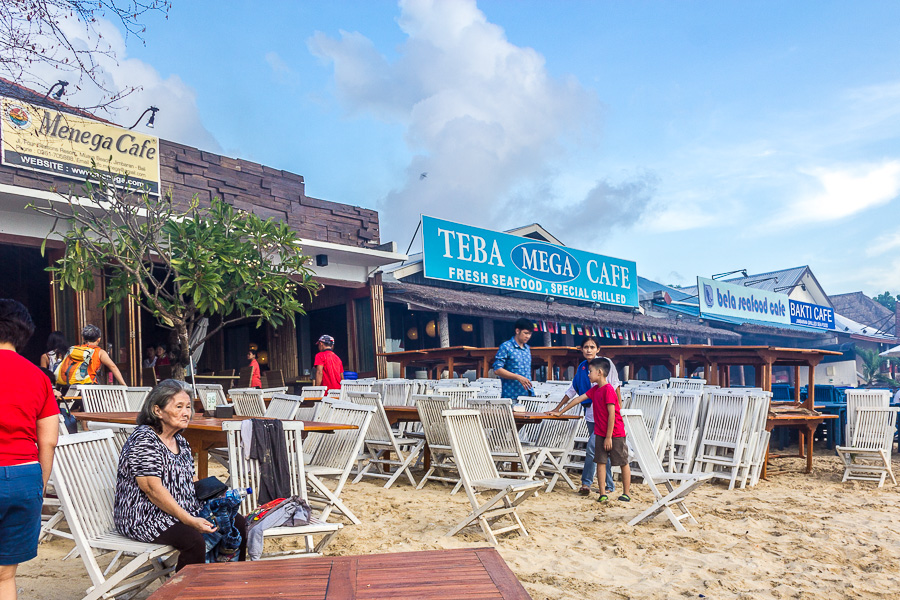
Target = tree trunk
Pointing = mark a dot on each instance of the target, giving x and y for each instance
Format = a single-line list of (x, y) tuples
[(184, 356)]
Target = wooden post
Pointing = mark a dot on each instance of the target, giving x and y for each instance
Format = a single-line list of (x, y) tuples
[(811, 386), (376, 301), (797, 385)]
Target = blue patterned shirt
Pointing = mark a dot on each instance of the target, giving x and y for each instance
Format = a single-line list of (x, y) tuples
[(515, 359)]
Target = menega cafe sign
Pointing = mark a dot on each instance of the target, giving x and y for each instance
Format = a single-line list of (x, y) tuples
[(470, 255), (49, 141)]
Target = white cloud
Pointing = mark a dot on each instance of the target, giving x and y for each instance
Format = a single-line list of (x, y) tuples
[(178, 119), (846, 191), (283, 73), (882, 244), (483, 116)]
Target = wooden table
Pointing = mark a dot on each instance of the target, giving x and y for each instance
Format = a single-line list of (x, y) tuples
[(795, 418), (210, 377), (202, 433), (437, 574)]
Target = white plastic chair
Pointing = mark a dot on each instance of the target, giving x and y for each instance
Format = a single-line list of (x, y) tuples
[(245, 474), (84, 475), (479, 474), (653, 474), (873, 440)]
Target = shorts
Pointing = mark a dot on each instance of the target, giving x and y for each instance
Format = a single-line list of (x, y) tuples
[(21, 499), (618, 456)]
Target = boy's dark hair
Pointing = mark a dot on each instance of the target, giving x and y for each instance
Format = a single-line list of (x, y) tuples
[(601, 364), (253, 352), (524, 324), (16, 325)]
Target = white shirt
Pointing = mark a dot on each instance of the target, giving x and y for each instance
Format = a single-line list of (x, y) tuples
[(612, 379)]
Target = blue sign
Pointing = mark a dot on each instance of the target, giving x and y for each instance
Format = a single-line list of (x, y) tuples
[(474, 256), (812, 315)]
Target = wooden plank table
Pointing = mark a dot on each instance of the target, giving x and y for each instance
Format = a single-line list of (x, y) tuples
[(437, 574), (202, 433), (795, 418)]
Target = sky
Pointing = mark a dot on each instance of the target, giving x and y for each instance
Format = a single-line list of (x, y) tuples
[(693, 137)]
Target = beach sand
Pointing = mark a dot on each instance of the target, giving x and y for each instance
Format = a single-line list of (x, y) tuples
[(794, 536)]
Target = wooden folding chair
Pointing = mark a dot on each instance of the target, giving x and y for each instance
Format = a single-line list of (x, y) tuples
[(104, 398), (248, 402), (84, 475), (245, 474), (380, 441), (654, 474), (868, 457), (479, 474), (431, 409), (136, 396), (283, 406)]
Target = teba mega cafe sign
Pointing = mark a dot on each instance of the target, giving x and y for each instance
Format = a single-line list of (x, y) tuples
[(475, 256), (729, 300)]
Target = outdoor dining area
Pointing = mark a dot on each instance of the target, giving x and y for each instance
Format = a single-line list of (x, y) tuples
[(454, 434)]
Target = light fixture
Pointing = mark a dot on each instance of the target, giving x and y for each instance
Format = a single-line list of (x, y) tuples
[(321, 260), (596, 306), (412, 333), (150, 121), (749, 283), (431, 328), (549, 299), (467, 327), (741, 271), (263, 357), (790, 287), (254, 347), (59, 93)]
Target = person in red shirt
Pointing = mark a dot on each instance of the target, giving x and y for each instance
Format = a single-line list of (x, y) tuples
[(329, 368), (28, 436), (608, 425), (255, 376)]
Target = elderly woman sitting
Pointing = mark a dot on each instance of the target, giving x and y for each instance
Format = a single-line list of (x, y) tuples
[(155, 497)]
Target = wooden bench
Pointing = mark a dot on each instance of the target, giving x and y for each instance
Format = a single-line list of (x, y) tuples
[(439, 574)]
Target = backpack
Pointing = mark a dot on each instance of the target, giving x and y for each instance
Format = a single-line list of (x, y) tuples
[(80, 366)]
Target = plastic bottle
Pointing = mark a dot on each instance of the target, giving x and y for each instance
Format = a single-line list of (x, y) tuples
[(237, 495)]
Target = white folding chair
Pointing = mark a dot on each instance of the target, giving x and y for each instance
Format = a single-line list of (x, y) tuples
[(683, 440), (245, 474), (84, 475), (104, 398), (556, 439), (503, 439), (381, 441), (858, 398), (459, 396), (136, 396), (681, 383), (868, 457), (284, 407), (653, 474), (248, 402), (313, 391), (267, 393), (332, 456), (723, 440), (479, 474), (355, 385), (431, 409)]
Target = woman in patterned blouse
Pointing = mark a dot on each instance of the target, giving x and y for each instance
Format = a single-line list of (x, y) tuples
[(155, 497)]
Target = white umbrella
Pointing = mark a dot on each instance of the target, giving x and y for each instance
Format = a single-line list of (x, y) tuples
[(895, 351)]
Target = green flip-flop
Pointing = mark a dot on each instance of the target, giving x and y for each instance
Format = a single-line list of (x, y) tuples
[(603, 499), (624, 498)]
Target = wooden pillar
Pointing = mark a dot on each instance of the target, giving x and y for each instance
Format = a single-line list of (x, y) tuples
[(444, 329), (712, 373), (811, 387), (797, 385), (376, 301)]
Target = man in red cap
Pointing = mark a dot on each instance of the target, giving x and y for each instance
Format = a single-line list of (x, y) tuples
[(329, 368)]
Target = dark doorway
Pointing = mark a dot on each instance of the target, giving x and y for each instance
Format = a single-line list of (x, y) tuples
[(22, 271), (331, 321)]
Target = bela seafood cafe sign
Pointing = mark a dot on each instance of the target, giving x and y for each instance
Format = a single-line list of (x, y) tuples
[(470, 255), (67, 145), (718, 298)]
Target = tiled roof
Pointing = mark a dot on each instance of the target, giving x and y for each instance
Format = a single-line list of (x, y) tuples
[(10, 89)]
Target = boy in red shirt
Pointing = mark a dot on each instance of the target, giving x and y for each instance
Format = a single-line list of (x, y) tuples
[(329, 368), (608, 425)]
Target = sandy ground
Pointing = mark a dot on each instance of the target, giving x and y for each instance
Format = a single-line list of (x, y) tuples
[(794, 536)]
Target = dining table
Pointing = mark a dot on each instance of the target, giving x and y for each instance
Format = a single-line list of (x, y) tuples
[(202, 433)]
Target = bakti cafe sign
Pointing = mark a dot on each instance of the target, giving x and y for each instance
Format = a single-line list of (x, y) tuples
[(66, 145), (470, 255), (718, 298)]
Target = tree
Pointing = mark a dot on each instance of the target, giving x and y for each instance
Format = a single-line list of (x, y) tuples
[(887, 300), (41, 36), (180, 265), (872, 365)]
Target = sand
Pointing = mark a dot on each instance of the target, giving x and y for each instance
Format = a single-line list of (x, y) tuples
[(794, 536)]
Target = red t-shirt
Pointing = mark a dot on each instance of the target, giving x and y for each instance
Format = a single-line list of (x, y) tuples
[(26, 395), (600, 398), (332, 369), (255, 377)]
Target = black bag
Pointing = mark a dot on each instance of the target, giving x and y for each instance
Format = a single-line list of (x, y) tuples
[(207, 488)]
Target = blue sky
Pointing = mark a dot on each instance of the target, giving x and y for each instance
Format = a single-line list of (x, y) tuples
[(691, 137)]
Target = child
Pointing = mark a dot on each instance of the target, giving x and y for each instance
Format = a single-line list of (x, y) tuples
[(255, 375), (609, 429)]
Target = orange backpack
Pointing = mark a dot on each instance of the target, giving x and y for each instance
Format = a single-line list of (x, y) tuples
[(80, 366)]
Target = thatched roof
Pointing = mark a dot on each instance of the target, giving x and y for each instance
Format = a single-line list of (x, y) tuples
[(510, 308), (862, 309)]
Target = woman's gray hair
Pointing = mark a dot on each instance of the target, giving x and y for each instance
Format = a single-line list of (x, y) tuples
[(159, 396), (90, 333)]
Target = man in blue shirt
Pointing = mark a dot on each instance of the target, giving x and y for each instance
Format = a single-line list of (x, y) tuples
[(513, 362)]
